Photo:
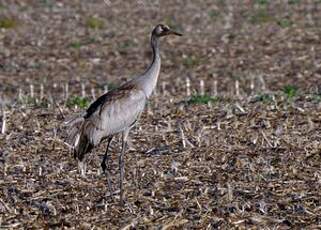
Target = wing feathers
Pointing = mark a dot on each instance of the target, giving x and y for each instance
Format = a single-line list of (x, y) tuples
[(110, 114)]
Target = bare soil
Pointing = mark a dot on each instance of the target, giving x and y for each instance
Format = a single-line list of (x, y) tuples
[(248, 159)]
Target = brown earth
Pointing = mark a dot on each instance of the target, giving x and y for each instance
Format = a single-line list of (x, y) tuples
[(248, 159)]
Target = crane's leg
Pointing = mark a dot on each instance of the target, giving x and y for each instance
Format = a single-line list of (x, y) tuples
[(121, 164), (104, 165)]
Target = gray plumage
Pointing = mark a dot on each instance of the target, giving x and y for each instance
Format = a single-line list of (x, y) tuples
[(116, 111)]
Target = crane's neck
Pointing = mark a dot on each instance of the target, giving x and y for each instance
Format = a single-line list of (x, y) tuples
[(148, 80), (155, 46)]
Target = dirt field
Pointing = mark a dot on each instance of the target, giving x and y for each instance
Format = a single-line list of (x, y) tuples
[(242, 152)]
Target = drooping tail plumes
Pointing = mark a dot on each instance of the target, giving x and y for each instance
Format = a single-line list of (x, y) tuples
[(78, 140), (76, 137), (73, 126)]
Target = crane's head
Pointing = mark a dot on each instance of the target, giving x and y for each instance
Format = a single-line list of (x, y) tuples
[(163, 30)]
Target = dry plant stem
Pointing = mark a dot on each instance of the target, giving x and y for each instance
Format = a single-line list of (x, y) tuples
[(202, 90), (4, 122), (42, 92), (20, 94), (266, 139), (66, 91), (105, 88), (263, 85), (188, 87), (93, 93), (252, 85), (59, 109), (5, 205), (164, 88), (32, 91), (83, 90), (215, 88), (237, 88), (182, 136)]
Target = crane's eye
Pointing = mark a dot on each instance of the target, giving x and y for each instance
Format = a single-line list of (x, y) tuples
[(165, 28)]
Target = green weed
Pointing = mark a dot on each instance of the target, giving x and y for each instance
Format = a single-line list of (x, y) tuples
[(76, 44), (34, 102), (265, 98), (125, 45), (191, 61), (291, 2), (47, 3), (95, 23), (80, 102), (214, 14), (262, 2), (201, 99), (7, 23), (112, 86), (261, 16), (316, 97), (285, 22), (290, 91)]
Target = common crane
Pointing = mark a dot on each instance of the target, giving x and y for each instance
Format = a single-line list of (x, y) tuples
[(116, 111)]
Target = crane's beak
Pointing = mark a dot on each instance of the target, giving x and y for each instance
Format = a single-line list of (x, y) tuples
[(175, 33)]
